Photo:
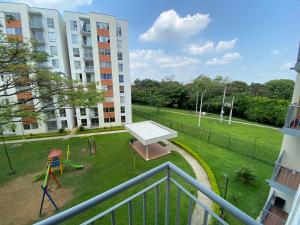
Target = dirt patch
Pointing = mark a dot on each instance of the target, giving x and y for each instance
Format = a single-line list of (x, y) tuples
[(21, 199)]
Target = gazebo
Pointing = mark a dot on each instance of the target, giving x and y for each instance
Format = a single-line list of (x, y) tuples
[(148, 133)]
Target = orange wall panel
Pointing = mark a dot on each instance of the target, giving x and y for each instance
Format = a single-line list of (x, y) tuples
[(109, 114), (105, 70), (24, 95), (108, 94), (29, 120), (104, 45), (15, 37), (103, 32), (108, 104), (14, 23), (105, 58), (106, 82)]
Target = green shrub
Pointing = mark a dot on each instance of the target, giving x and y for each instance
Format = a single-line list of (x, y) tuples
[(210, 174), (246, 175), (61, 130), (102, 129), (81, 128)]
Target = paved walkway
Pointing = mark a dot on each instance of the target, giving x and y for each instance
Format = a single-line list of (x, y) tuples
[(201, 176), (63, 137)]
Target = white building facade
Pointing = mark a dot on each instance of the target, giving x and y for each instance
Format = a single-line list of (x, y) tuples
[(283, 206), (98, 52), (81, 60)]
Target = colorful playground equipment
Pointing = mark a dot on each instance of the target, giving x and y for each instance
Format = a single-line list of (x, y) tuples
[(45, 185), (55, 159)]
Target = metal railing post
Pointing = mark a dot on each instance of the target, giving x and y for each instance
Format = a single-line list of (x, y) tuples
[(178, 207), (205, 219), (156, 205), (144, 209), (167, 212), (130, 213)]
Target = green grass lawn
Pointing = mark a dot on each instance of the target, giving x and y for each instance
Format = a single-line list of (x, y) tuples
[(271, 137), (250, 199), (112, 165)]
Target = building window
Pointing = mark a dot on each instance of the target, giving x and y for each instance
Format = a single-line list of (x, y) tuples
[(62, 112), (90, 78), (34, 126), (104, 51), (120, 67), (120, 56), (14, 31), (26, 126), (123, 119), (53, 50), (74, 38), (12, 15), (105, 64), (122, 109), (77, 65), (119, 32), (106, 76), (83, 122), (103, 39), (79, 76), (101, 25), (64, 124), (121, 78), (51, 36), (82, 112), (73, 25), (76, 52), (106, 120), (112, 119), (50, 22), (122, 89), (86, 40), (108, 109), (55, 63), (95, 122)]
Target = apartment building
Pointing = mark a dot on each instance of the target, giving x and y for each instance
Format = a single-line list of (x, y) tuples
[(47, 27), (84, 47), (98, 52), (283, 204)]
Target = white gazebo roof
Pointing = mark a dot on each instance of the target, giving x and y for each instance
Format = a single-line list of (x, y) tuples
[(148, 132)]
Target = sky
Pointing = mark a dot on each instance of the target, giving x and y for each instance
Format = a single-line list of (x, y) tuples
[(248, 40)]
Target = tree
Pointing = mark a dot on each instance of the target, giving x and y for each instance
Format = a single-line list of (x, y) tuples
[(39, 90), (282, 89)]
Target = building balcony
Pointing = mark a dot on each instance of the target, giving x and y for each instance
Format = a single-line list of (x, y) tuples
[(284, 179), (163, 178), (85, 31), (86, 45), (36, 25), (39, 40), (89, 69), (292, 121), (88, 57), (272, 213)]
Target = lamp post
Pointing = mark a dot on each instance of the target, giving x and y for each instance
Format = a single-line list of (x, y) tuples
[(222, 109), (7, 156), (200, 110), (197, 102), (225, 192)]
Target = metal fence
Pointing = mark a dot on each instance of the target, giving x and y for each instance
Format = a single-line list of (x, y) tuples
[(252, 149), (173, 177)]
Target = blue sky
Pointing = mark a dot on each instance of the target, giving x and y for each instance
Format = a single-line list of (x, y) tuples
[(249, 40)]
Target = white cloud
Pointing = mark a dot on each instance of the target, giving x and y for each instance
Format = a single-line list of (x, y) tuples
[(286, 66), (169, 26), (155, 64), (227, 58), (224, 45), (197, 49), (56, 4), (274, 52)]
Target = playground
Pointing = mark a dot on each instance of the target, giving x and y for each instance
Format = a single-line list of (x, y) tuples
[(80, 174)]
